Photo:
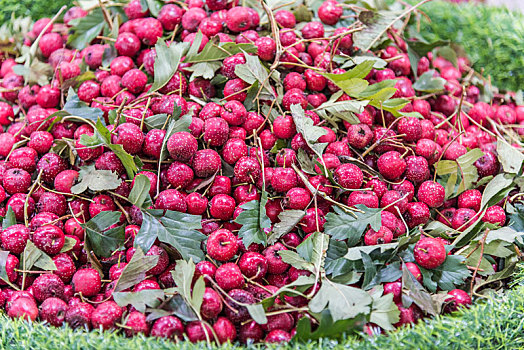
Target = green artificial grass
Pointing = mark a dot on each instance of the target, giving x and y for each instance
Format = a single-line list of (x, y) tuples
[(492, 37), (497, 323)]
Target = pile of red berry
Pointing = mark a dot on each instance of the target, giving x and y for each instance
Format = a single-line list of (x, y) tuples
[(215, 172)]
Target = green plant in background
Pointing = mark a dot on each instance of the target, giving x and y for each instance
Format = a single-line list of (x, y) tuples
[(492, 37), (36, 9)]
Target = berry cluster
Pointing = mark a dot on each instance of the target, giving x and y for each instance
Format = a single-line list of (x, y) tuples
[(264, 169)]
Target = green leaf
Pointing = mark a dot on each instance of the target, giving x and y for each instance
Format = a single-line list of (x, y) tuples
[(216, 51), (78, 108), (183, 278), (254, 220), (352, 82), (496, 189), (156, 121), (313, 249), (510, 157), (95, 180), (3, 263), (9, 219), (379, 92), (136, 270), (384, 311), (206, 70), (257, 313), (341, 225), (288, 219), (69, 243), (295, 260), (419, 48), (253, 71), (140, 300), (310, 132), (462, 171), (86, 29), (174, 228), (429, 83), (32, 256), (103, 241), (376, 27), (342, 110), (306, 164), (153, 6), (140, 191), (327, 328), (447, 276), (506, 234), (166, 62), (417, 293), (343, 302), (103, 136)]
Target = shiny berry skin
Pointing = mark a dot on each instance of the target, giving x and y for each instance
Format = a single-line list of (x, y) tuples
[(127, 44), (47, 286), (206, 162), (49, 238), (50, 165), (429, 253), (266, 48), (463, 218), (457, 298), (277, 336), (53, 311), (495, 215), (470, 199), (16, 181), (239, 19), (14, 238), (253, 265), (228, 276), (106, 315), (382, 236), (391, 165), (348, 176), (136, 321), (222, 245), (222, 206), (79, 315), (211, 304), (24, 308), (87, 281), (431, 193), (167, 327)]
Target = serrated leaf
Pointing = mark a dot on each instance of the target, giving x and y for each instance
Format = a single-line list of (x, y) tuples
[(140, 191), (506, 234), (510, 157), (95, 180), (254, 220), (343, 110), (86, 29), (295, 260), (384, 311), (102, 240), (166, 62), (416, 292), (135, 271), (32, 256), (74, 106), (253, 71), (327, 328), (139, 300), (462, 171), (288, 219), (352, 82), (310, 132), (429, 83), (206, 70), (343, 302), (341, 225), (173, 228), (376, 26), (447, 276), (215, 51), (9, 219)]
